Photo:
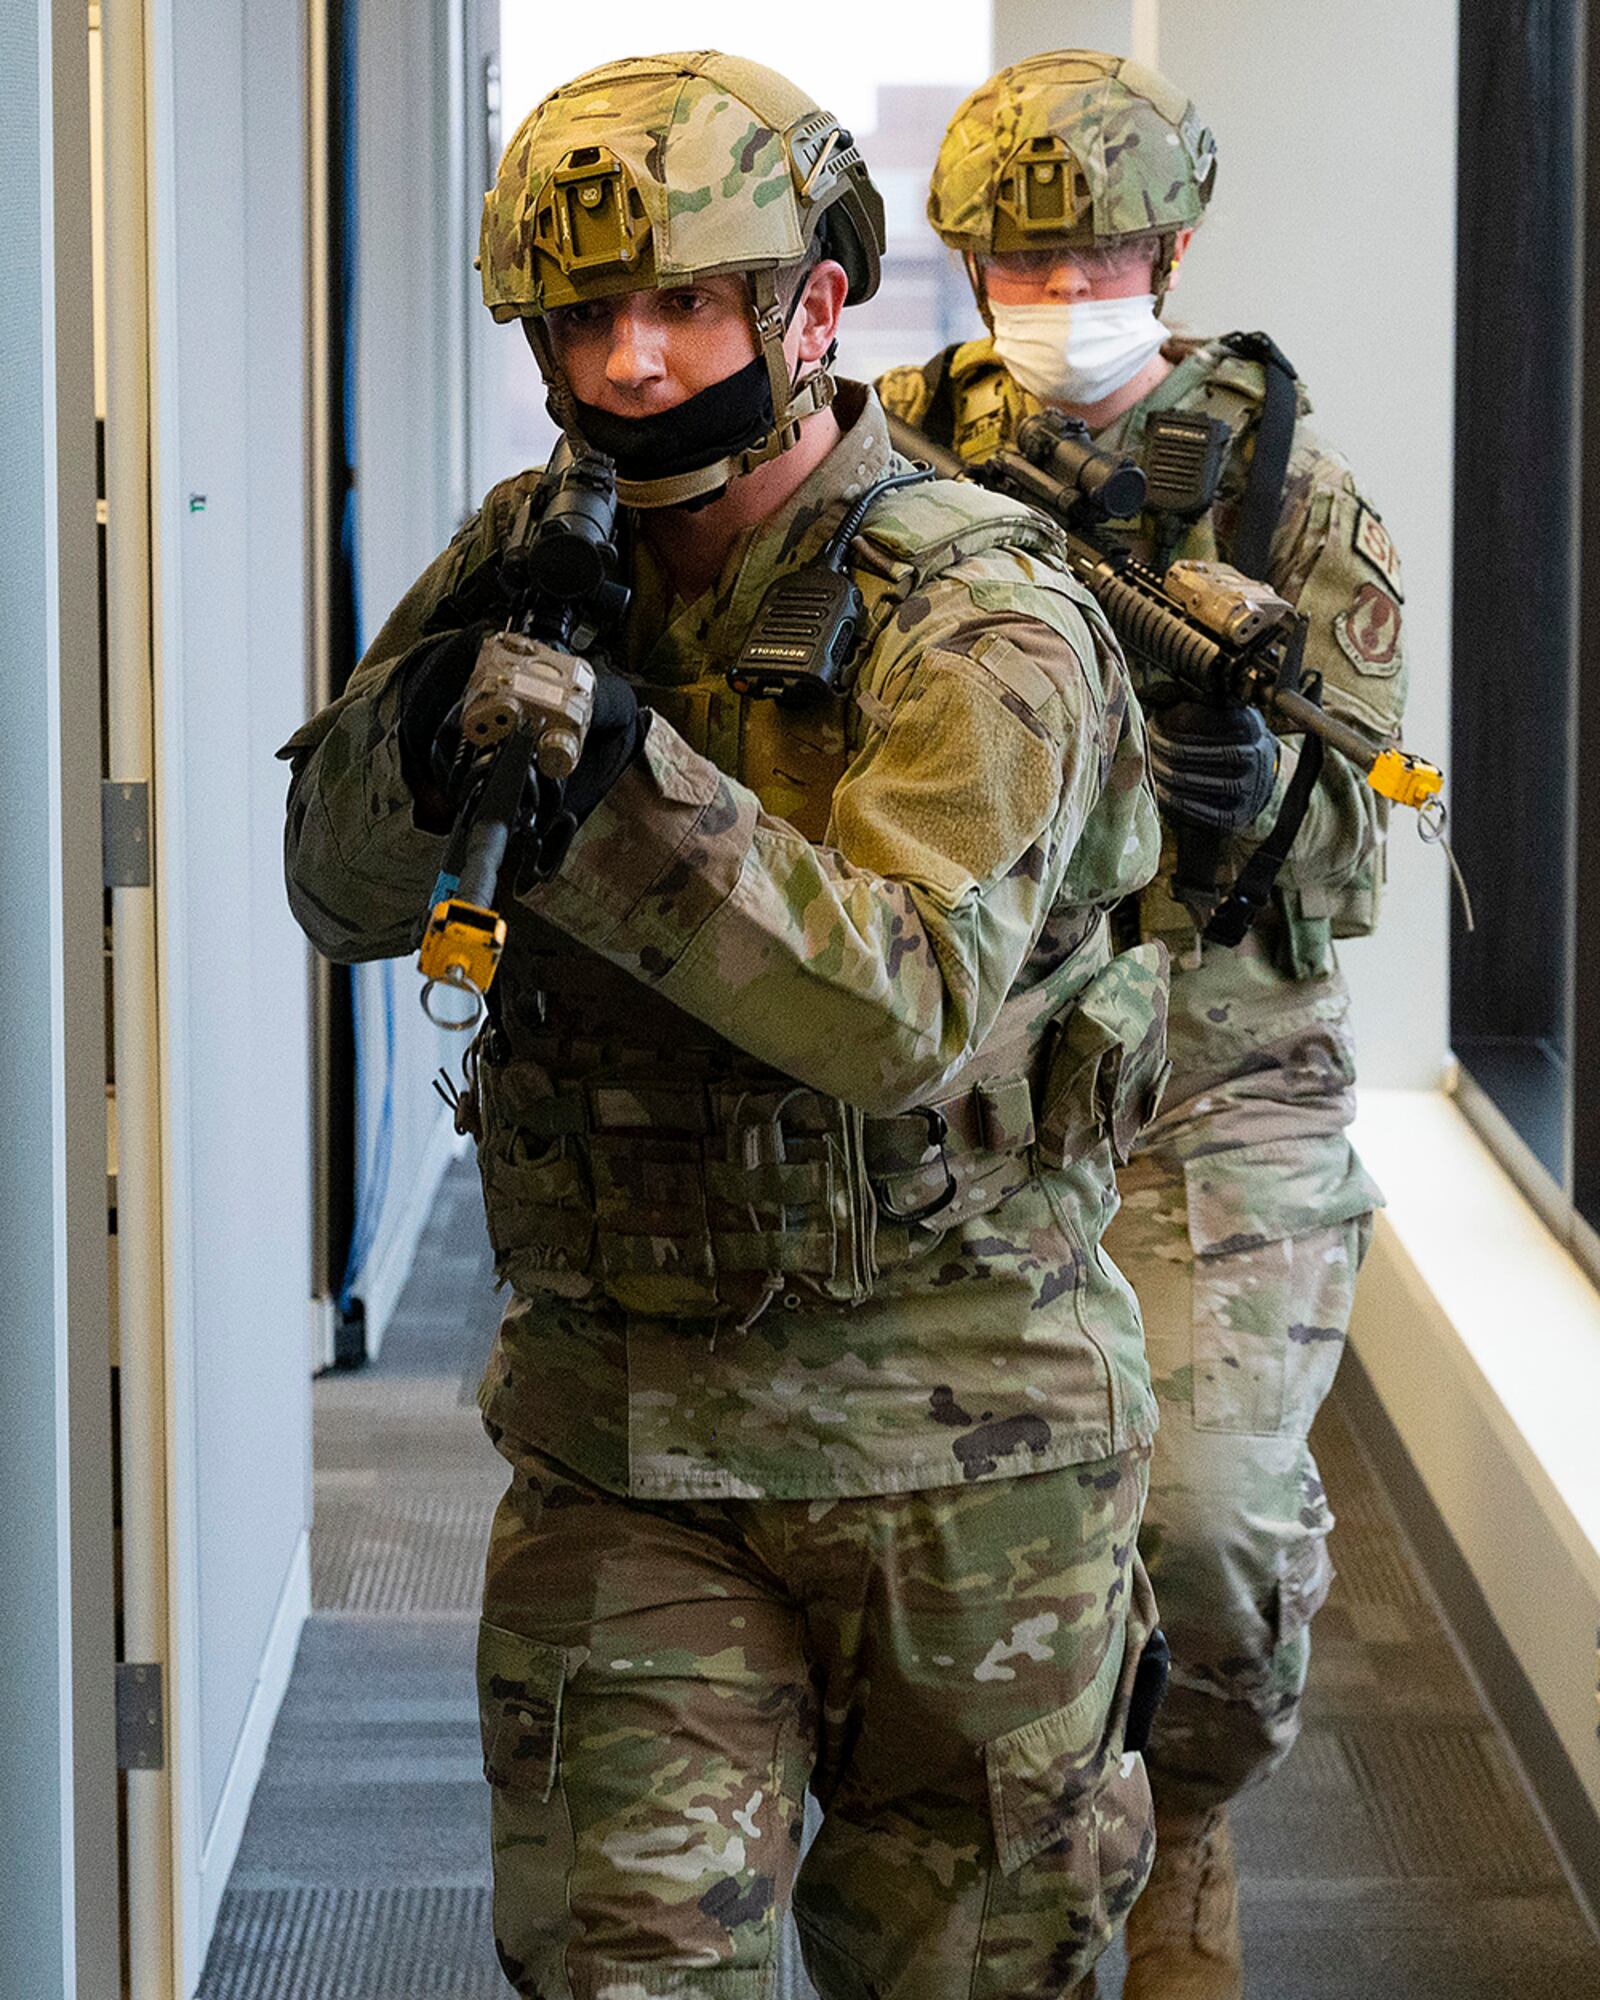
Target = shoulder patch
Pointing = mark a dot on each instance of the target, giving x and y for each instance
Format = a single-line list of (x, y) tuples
[(1369, 631), (1371, 540)]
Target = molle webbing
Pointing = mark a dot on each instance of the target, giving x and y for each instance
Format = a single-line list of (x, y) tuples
[(628, 1151)]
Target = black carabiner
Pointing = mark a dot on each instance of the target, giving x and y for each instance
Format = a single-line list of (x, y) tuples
[(938, 1132)]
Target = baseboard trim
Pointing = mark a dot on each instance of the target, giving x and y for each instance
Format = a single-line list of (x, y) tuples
[(221, 1845), (1556, 1786)]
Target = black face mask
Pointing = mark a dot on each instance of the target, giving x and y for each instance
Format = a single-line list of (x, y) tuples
[(729, 417)]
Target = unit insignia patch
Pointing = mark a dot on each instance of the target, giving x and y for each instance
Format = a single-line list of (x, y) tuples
[(1369, 631)]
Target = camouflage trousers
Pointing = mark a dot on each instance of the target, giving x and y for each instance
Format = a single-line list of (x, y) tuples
[(1244, 1332), (949, 1671)]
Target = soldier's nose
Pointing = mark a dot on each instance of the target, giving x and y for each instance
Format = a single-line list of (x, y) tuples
[(636, 357), (1067, 284)]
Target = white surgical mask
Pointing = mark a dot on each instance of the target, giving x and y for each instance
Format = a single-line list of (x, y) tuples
[(1077, 353)]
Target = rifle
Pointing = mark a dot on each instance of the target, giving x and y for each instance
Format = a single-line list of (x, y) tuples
[(1201, 631), (524, 716)]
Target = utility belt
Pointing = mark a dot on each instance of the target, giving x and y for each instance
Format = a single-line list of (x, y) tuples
[(687, 1183)]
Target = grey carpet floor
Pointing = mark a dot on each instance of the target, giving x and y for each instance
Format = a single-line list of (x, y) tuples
[(1395, 1857)]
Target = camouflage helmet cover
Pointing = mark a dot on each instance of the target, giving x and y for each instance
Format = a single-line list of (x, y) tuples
[(1073, 149), (658, 169)]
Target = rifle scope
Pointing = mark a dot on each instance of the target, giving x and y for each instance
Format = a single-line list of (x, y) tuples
[(573, 551), (1111, 487)]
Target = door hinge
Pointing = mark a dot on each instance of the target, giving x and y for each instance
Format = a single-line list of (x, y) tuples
[(141, 1732), (125, 834)]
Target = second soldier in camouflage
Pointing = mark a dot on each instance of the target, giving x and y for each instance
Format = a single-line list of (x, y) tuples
[(1071, 184)]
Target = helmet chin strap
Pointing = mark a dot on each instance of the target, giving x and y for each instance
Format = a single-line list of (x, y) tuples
[(791, 404)]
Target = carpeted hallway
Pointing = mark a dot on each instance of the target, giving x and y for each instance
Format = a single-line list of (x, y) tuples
[(1396, 1857)]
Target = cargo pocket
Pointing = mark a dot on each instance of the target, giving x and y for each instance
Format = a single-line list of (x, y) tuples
[(1073, 1833), (1039, 1773), (1304, 1581), (1277, 1237), (519, 1710), (1108, 1062)]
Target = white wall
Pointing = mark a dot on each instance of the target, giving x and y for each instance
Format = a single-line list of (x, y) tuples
[(1026, 27), (1333, 227), (229, 509)]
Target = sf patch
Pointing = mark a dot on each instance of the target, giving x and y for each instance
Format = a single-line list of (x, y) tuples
[(1371, 541), (1368, 632)]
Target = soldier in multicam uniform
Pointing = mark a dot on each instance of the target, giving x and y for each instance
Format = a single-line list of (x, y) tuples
[(1071, 184), (796, 1114)]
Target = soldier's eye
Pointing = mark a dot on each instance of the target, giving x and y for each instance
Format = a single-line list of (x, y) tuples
[(686, 304), (580, 318)]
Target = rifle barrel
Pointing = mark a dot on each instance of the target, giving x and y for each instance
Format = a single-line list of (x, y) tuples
[(1316, 721), (493, 819)]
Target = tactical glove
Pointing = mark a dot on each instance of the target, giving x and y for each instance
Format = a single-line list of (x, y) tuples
[(1211, 767), (616, 732), (556, 811), (431, 685)]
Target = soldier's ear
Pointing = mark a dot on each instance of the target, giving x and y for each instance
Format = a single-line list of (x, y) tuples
[(1180, 244), (816, 318)]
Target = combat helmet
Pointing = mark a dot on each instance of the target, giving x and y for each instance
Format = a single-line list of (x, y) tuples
[(1072, 150), (659, 170)]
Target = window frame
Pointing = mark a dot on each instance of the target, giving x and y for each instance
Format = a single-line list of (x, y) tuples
[(1525, 985)]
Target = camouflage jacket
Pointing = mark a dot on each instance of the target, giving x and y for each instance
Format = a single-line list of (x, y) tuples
[(1266, 1022), (848, 919)]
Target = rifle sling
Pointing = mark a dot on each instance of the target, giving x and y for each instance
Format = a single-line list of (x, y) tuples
[(1251, 542), (1244, 902)]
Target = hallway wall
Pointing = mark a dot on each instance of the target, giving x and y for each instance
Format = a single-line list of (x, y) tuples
[(416, 350), (230, 487), (1333, 226)]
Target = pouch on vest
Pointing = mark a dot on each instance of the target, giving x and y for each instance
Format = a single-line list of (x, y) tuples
[(1108, 1065), (680, 1198)]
